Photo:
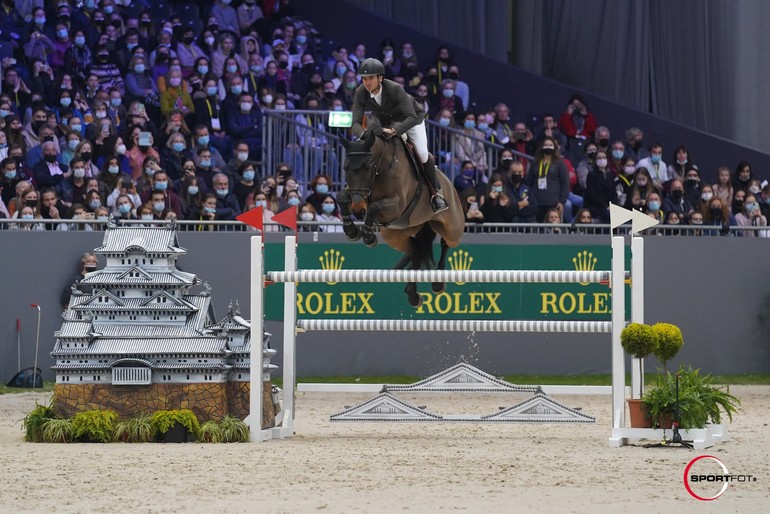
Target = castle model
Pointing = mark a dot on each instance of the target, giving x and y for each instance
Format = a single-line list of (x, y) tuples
[(136, 339)]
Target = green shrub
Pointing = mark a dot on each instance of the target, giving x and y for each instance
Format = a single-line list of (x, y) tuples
[(34, 421), (639, 340), (670, 341), (57, 431), (234, 430), (210, 432), (163, 420), (94, 425), (138, 429)]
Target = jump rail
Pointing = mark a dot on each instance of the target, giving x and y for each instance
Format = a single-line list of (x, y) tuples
[(290, 277)]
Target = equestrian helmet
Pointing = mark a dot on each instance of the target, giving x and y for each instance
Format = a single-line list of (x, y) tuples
[(370, 67)]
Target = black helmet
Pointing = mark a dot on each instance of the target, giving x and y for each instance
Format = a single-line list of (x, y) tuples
[(370, 67)]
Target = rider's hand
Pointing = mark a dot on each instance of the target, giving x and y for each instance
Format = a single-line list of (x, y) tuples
[(389, 132)]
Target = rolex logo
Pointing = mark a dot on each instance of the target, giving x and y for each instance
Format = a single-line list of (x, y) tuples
[(331, 260), (584, 261), (460, 261)]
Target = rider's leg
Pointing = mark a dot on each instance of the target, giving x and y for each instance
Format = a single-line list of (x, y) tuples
[(420, 139)]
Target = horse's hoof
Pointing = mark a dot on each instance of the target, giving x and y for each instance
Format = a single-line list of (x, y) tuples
[(351, 232), (370, 239), (415, 300), (438, 287)]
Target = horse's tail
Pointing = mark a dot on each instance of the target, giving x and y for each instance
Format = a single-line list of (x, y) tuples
[(422, 246)]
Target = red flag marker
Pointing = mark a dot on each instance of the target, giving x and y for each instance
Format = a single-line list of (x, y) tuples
[(253, 218), (287, 218)]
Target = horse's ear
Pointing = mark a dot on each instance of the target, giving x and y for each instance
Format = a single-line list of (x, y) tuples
[(345, 142), (370, 138)]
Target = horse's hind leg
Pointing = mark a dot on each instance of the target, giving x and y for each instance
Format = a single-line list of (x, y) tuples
[(440, 287)]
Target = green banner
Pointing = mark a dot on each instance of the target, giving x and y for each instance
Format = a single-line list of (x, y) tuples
[(588, 302)]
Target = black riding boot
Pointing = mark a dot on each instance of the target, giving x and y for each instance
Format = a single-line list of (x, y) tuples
[(437, 201)]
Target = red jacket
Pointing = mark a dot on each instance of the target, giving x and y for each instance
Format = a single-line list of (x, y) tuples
[(568, 128)]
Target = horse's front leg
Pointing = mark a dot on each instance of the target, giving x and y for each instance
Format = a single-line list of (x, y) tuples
[(381, 209), (348, 227), (440, 287)]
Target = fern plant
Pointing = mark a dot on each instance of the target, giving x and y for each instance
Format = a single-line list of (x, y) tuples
[(94, 425)]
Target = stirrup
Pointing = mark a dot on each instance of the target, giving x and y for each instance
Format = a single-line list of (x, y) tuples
[(438, 204)]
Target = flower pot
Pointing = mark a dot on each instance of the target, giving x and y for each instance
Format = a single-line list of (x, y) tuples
[(639, 414), (177, 434)]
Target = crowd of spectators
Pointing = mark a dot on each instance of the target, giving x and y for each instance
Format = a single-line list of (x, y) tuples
[(149, 111)]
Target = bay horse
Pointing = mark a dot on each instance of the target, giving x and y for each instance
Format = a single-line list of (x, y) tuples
[(382, 180)]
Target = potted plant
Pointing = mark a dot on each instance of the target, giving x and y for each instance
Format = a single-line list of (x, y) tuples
[(175, 426), (699, 401), (58, 431), (234, 430), (210, 432), (138, 429), (34, 421), (94, 426), (639, 340)]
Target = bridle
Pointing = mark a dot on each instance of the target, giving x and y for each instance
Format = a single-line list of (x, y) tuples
[(362, 193)]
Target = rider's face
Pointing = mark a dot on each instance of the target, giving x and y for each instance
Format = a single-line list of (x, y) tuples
[(371, 83)]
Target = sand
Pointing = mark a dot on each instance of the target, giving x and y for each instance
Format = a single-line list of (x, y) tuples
[(384, 468)]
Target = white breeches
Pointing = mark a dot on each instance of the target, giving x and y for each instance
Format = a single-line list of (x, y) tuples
[(420, 139)]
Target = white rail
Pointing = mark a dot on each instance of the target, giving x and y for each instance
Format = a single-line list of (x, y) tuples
[(454, 325)]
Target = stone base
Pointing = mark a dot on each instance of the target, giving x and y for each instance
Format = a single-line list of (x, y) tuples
[(209, 402)]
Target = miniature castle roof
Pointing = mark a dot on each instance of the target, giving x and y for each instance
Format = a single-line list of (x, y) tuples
[(155, 278), (147, 239), (142, 346)]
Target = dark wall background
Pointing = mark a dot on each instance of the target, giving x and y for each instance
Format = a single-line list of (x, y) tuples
[(716, 289), (530, 95)]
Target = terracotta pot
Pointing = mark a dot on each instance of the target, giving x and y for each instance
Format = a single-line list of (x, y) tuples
[(639, 414)]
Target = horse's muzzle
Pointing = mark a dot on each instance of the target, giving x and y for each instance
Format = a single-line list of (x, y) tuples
[(357, 198)]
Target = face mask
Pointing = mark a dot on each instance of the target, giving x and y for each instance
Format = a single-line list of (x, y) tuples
[(249, 175), (293, 201), (716, 212), (203, 69), (95, 204), (322, 188), (444, 122), (629, 170), (548, 151), (301, 39), (101, 114), (754, 190), (161, 185), (50, 158), (654, 205), (692, 182), (517, 178), (86, 156), (280, 107), (131, 46), (236, 90), (73, 144), (203, 140), (113, 170), (641, 183), (4, 113), (677, 194), (655, 159), (591, 155), (80, 40), (188, 39), (10, 175), (139, 68), (602, 163), (315, 84), (108, 9), (707, 196), (604, 142), (268, 99), (32, 203), (256, 69), (79, 172), (497, 189), (242, 156), (120, 149), (307, 216), (448, 93), (231, 68), (328, 208), (27, 217), (158, 206), (175, 81), (483, 126), (617, 154), (752, 206), (341, 70), (469, 124), (245, 106), (205, 163), (210, 210), (178, 147), (212, 91), (40, 21), (124, 209), (65, 102), (453, 75), (221, 193)]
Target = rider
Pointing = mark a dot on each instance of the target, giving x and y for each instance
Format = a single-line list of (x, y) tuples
[(398, 113)]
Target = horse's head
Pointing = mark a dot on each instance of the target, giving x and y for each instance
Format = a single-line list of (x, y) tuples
[(359, 166)]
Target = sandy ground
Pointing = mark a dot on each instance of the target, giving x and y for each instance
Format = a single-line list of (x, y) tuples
[(384, 468)]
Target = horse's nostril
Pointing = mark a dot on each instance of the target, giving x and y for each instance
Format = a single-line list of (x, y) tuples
[(357, 198)]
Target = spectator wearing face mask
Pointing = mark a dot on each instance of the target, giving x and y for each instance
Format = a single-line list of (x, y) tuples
[(600, 190), (523, 205), (107, 72), (329, 214), (676, 201), (246, 184), (320, 185), (751, 216), (245, 124), (470, 148), (624, 183), (306, 213), (655, 166)]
